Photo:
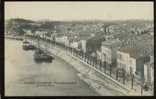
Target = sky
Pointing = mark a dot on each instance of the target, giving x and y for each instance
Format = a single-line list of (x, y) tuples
[(79, 10)]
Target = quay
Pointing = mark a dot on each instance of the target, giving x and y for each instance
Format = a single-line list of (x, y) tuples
[(25, 77), (91, 78), (96, 79)]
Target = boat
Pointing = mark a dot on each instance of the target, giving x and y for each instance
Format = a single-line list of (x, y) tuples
[(42, 56), (27, 45)]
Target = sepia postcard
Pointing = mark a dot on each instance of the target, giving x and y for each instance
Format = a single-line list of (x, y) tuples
[(79, 48)]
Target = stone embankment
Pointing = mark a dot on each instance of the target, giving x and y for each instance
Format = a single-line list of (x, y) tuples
[(99, 81), (87, 73)]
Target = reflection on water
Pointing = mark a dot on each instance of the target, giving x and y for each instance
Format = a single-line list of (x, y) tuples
[(24, 77)]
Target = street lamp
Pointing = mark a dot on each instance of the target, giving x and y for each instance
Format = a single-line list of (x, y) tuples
[(117, 74), (132, 80), (124, 76), (100, 65), (105, 63), (110, 69), (132, 77)]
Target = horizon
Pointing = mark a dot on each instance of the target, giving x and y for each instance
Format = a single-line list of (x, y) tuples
[(45, 20)]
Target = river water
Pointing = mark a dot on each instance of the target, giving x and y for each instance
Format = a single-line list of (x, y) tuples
[(24, 77)]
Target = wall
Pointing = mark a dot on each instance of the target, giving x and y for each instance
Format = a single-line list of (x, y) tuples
[(133, 64), (74, 44), (140, 66), (114, 55), (123, 58), (83, 42), (62, 39), (148, 73)]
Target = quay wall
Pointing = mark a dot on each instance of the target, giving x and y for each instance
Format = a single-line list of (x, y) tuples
[(80, 65), (101, 78)]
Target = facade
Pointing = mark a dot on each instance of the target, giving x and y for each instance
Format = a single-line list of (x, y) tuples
[(109, 50), (74, 44), (149, 71), (61, 39), (99, 54), (79, 44), (132, 60), (83, 45), (125, 61)]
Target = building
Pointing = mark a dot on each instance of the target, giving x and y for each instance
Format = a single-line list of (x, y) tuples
[(134, 53), (132, 60), (124, 60), (149, 71), (78, 44), (83, 45), (94, 43), (99, 54), (83, 41), (109, 50), (74, 44), (61, 39)]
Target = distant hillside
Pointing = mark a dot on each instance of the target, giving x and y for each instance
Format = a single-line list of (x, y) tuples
[(18, 26)]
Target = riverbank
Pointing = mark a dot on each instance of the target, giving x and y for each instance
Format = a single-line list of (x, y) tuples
[(96, 80), (25, 77), (87, 74), (100, 81)]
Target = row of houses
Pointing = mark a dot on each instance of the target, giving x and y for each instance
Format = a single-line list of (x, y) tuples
[(127, 55), (116, 53), (71, 40), (131, 58)]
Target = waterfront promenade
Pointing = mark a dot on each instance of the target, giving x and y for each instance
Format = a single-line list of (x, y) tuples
[(86, 73), (96, 79)]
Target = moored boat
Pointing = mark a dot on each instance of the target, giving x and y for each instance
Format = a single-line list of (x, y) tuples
[(27, 45), (41, 56)]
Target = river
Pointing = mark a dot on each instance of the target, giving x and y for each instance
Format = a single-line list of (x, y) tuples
[(24, 77)]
